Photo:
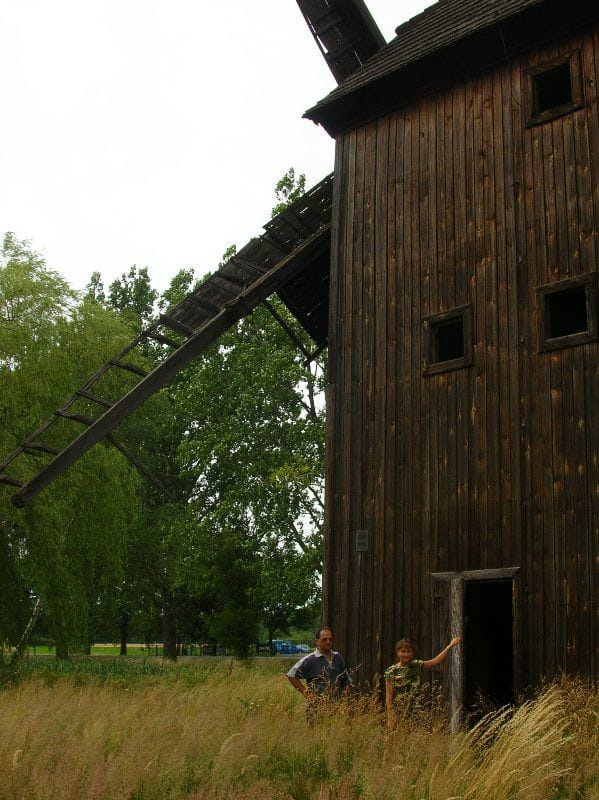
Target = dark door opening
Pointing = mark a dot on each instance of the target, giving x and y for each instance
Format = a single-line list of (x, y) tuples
[(488, 642)]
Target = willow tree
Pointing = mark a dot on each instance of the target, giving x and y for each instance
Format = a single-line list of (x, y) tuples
[(69, 543)]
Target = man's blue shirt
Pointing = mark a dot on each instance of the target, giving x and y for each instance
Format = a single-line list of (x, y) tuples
[(320, 674)]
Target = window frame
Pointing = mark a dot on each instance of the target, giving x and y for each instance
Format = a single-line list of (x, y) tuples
[(433, 322), (535, 117), (547, 343)]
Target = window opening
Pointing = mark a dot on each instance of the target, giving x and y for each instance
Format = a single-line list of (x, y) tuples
[(553, 88), (566, 312), (448, 340)]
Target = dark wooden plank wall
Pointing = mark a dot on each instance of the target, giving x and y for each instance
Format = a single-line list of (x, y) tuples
[(449, 202)]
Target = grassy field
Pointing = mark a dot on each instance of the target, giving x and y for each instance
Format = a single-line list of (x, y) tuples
[(134, 651), (143, 731)]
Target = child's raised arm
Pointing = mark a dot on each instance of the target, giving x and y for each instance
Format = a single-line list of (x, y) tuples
[(440, 658)]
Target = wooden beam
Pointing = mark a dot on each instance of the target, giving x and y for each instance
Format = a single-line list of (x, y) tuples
[(275, 314), (75, 417), (148, 474), (175, 325), (38, 447), (280, 274), (158, 337), (129, 367), (202, 302), (314, 355), (243, 264), (93, 398), (11, 481)]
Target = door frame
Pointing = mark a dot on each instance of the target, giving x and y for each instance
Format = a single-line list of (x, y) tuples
[(447, 596)]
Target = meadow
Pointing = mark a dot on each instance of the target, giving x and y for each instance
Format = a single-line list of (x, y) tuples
[(144, 731)]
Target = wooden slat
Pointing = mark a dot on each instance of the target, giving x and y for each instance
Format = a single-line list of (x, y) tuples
[(176, 325), (590, 549), (420, 297), (10, 481), (202, 303), (275, 315), (75, 417), (346, 518), (158, 337), (389, 377), (128, 367), (93, 398), (333, 527), (366, 433), (407, 141), (39, 447), (147, 473)]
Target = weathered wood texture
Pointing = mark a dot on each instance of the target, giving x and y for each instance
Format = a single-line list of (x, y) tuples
[(345, 33), (451, 201)]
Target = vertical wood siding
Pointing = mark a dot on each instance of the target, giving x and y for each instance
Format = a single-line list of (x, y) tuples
[(449, 202)]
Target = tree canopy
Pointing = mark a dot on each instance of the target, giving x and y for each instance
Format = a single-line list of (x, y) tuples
[(61, 548), (237, 438)]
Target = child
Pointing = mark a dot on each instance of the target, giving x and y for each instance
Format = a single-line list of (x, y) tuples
[(404, 676)]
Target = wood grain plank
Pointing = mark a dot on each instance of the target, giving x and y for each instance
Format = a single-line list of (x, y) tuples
[(366, 463)]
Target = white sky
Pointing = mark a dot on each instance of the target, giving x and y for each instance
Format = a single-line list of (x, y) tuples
[(153, 133)]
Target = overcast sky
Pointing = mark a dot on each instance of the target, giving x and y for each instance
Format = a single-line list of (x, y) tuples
[(153, 133)]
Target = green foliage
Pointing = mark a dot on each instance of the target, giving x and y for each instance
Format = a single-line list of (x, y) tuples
[(237, 439), (253, 445), (288, 189), (95, 288), (133, 295), (252, 441), (180, 285), (131, 672), (60, 549)]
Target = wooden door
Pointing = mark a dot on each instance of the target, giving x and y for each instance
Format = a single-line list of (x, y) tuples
[(448, 621)]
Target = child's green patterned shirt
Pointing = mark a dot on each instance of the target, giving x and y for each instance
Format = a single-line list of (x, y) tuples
[(404, 679)]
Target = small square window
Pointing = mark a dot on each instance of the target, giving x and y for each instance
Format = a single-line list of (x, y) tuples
[(447, 340), (568, 312), (554, 89)]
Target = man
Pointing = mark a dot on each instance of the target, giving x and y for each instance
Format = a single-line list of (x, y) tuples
[(324, 670)]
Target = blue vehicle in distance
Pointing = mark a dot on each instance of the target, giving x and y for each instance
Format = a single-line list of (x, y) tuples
[(287, 647)]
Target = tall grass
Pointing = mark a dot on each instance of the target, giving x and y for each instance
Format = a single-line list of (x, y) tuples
[(233, 732)]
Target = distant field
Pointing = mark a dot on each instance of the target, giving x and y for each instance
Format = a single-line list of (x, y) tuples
[(106, 650), (140, 651), (128, 729)]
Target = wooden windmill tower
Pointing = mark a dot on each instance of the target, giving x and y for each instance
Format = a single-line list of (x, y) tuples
[(463, 414)]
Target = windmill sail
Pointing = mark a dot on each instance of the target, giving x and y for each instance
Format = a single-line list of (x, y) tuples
[(345, 33), (290, 258)]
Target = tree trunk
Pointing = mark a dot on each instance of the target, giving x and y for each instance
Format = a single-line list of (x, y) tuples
[(22, 646), (271, 636), (62, 651), (169, 629), (124, 631)]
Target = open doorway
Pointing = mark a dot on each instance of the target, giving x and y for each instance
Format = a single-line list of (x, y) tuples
[(481, 606), (488, 644)]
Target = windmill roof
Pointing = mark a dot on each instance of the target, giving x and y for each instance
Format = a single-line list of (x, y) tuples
[(439, 29)]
